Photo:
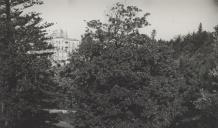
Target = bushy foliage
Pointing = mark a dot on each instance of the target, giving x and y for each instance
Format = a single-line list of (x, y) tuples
[(123, 79), (197, 55)]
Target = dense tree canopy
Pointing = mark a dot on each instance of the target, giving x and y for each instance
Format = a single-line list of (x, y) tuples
[(117, 78), (123, 79), (197, 55)]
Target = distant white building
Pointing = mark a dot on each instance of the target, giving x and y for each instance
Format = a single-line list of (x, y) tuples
[(63, 46)]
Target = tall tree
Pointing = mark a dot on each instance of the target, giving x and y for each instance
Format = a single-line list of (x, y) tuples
[(26, 82)]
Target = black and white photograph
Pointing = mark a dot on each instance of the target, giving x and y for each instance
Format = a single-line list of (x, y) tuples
[(108, 63)]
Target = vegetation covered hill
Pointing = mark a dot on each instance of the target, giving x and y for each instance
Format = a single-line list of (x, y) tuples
[(118, 77)]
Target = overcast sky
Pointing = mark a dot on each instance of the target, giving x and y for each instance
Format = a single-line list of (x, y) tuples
[(168, 17)]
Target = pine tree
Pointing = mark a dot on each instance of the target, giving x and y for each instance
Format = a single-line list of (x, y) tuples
[(26, 83), (153, 34), (200, 28)]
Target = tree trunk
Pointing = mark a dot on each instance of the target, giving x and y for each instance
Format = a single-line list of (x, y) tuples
[(8, 18)]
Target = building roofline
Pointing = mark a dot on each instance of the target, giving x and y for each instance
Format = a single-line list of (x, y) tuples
[(65, 38)]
